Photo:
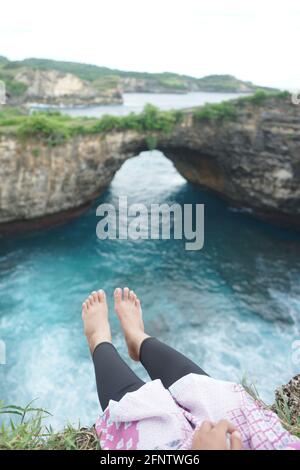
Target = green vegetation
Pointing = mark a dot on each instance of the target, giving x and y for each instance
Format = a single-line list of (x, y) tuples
[(13, 87), (104, 78), (151, 142), (24, 428), (228, 84), (228, 110), (260, 97), (173, 83), (54, 128), (3, 60), (224, 111), (49, 129), (102, 84)]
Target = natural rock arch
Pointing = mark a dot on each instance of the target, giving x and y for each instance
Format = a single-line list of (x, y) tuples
[(252, 161)]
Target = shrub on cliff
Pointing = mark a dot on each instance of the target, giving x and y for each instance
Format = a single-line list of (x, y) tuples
[(50, 129), (228, 110), (153, 119), (224, 111), (150, 119), (260, 97)]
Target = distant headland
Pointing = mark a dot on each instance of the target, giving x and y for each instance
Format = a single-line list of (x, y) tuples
[(54, 82)]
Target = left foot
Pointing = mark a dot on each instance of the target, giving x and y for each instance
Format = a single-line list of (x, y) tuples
[(95, 319), (128, 308)]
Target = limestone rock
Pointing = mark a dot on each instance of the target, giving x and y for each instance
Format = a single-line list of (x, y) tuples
[(58, 88)]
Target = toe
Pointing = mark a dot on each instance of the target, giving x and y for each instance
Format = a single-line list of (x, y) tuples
[(95, 296), (131, 296), (118, 294), (101, 295), (84, 307), (137, 303), (126, 293), (91, 300)]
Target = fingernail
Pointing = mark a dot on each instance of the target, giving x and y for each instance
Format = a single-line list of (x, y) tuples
[(237, 434)]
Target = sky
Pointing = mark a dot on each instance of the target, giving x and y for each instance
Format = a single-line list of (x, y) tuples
[(255, 40)]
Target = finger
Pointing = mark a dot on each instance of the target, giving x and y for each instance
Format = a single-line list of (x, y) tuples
[(206, 426), (236, 441), (225, 426)]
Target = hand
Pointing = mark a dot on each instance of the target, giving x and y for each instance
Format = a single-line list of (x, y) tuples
[(217, 437)]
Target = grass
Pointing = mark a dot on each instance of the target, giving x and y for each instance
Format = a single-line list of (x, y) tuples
[(25, 429)]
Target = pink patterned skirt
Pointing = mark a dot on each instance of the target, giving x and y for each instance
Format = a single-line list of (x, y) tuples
[(156, 418)]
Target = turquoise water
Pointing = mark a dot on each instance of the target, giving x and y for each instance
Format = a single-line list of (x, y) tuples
[(233, 307)]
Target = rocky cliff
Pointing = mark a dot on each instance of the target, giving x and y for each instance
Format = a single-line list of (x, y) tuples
[(58, 88), (173, 83), (104, 79), (251, 159)]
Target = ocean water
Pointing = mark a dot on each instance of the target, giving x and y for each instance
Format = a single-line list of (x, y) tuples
[(233, 307), (134, 103)]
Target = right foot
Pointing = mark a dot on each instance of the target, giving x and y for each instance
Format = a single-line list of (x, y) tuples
[(128, 308), (95, 319)]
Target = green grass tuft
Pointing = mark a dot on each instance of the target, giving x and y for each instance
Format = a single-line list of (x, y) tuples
[(24, 429)]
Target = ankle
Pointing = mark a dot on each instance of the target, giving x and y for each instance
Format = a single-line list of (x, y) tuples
[(138, 341), (95, 339)]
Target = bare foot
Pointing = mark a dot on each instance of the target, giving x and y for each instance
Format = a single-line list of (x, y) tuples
[(128, 308), (95, 319)]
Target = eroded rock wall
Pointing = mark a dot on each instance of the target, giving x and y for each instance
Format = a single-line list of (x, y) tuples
[(252, 161)]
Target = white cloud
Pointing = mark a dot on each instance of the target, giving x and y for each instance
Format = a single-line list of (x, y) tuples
[(253, 40)]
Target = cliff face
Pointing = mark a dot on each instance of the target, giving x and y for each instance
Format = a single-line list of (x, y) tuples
[(172, 83), (44, 185), (150, 85), (58, 88), (252, 161)]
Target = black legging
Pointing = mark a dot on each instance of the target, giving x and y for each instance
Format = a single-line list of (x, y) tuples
[(115, 378)]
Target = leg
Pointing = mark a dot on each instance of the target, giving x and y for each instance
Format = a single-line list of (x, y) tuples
[(165, 363), (160, 361), (113, 376)]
